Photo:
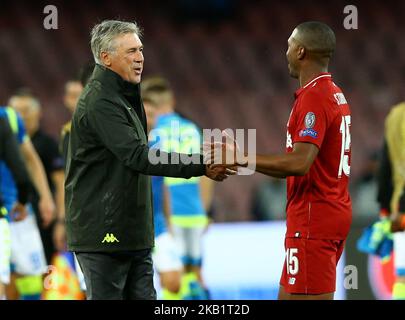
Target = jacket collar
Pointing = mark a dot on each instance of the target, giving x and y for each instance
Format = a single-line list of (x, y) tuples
[(114, 81)]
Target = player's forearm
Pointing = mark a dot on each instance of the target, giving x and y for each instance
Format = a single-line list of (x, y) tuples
[(271, 173), (38, 176), (58, 178), (281, 166)]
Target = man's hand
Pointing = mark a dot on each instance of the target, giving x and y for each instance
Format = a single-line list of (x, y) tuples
[(19, 212), (218, 173), (170, 229), (397, 222), (226, 154), (47, 210), (59, 236)]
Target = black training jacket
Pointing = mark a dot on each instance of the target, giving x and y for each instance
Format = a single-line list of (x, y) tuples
[(107, 189)]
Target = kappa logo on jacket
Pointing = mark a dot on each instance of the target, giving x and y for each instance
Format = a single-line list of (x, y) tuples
[(109, 238)]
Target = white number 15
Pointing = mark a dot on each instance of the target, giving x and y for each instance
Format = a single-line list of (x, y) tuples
[(346, 142)]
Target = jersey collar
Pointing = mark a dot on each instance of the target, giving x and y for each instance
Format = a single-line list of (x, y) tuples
[(164, 118), (321, 76)]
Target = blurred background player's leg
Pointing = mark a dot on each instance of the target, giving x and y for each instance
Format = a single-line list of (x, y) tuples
[(167, 261), (189, 233), (189, 241), (4, 255), (27, 260)]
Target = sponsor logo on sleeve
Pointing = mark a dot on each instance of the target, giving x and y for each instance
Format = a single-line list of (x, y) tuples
[(308, 133), (309, 124)]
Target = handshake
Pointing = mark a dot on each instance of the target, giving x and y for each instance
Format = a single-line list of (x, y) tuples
[(222, 159)]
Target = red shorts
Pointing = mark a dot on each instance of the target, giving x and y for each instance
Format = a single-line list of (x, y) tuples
[(310, 265)]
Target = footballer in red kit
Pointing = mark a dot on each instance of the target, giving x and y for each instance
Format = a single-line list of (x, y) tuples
[(318, 203), (317, 167)]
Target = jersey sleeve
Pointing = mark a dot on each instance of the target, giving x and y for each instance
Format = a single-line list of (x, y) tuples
[(56, 159), (10, 153), (22, 133), (311, 120)]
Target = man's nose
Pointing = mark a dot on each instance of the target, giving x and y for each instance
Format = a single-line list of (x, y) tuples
[(139, 57)]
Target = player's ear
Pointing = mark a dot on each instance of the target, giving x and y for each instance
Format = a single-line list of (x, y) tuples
[(301, 53)]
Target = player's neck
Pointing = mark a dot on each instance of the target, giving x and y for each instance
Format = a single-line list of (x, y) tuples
[(166, 111), (310, 73), (32, 131)]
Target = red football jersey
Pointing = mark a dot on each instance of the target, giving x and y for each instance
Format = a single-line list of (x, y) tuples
[(318, 203)]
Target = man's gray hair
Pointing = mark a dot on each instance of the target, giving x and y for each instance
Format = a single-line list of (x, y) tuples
[(104, 33)]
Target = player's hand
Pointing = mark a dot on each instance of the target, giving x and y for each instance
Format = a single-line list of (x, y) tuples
[(19, 212), (47, 210), (219, 173), (170, 229), (219, 153), (397, 222), (59, 236)]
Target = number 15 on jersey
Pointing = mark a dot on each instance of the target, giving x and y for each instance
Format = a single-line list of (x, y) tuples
[(344, 165)]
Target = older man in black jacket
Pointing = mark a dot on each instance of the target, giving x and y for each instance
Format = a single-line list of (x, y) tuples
[(108, 192)]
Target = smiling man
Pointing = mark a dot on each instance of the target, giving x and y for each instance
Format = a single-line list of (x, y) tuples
[(109, 223)]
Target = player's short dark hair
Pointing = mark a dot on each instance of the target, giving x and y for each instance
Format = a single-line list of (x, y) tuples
[(317, 37)]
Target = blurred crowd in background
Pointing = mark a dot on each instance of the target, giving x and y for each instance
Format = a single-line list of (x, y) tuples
[(226, 63)]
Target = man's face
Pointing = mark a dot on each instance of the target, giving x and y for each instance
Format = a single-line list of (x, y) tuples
[(292, 55), (29, 112), (73, 90), (127, 58)]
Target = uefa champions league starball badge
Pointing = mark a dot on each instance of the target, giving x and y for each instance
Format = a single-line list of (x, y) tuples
[(310, 120)]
